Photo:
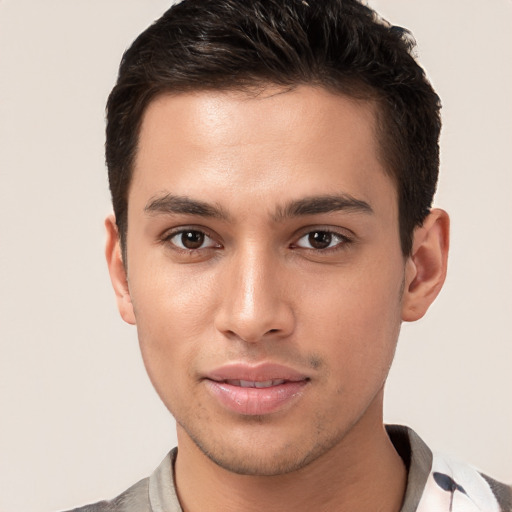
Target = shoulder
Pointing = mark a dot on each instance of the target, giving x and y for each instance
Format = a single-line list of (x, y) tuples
[(455, 485), (440, 483), (157, 492), (134, 499)]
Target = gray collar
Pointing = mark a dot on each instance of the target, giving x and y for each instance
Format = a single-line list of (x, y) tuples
[(418, 461)]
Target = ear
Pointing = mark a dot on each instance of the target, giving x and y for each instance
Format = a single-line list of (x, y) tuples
[(425, 269), (117, 271)]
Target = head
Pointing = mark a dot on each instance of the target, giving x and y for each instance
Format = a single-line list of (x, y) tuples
[(340, 45), (272, 166)]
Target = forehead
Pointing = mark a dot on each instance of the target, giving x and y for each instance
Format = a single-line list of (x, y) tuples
[(207, 140), (236, 117)]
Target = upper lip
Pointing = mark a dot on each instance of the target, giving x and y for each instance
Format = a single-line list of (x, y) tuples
[(261, 372)]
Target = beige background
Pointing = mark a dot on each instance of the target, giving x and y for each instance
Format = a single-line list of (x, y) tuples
[(79, 420)]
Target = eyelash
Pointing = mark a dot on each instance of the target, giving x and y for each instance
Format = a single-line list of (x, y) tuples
[(343, 240), (167, 239)]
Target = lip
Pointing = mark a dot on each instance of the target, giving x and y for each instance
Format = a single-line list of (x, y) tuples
[(255, 389)]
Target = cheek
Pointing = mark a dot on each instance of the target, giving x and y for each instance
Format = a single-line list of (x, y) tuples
[(356, 319), (173, 311), (172, 299)]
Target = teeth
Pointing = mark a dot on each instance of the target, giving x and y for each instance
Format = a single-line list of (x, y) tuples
[(265, 384), (255, 384)]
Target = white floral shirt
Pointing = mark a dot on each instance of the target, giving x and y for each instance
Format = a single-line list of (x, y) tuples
[(457, 487)]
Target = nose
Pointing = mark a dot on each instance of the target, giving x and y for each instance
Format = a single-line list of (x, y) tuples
[(256, 303)]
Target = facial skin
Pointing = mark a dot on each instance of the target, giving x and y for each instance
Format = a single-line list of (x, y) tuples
[(263, 230)]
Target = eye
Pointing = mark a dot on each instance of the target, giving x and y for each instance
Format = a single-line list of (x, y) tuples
[(321, 239), (191, 239)]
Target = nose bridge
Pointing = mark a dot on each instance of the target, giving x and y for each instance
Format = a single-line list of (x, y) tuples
[(254, 305), (257, 284)]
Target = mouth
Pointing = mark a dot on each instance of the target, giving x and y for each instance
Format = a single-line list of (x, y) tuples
[(256, 390)]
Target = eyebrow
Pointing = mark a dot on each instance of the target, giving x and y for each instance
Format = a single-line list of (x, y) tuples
[(322, 204), (169, 204)]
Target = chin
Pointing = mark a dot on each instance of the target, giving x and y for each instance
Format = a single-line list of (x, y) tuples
[(260, 456), (257, 464)]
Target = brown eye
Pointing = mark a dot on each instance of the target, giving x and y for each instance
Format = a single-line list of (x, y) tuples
[(191, 239), (321, 239)]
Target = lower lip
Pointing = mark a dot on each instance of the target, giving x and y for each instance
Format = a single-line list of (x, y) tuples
[(256, 401)]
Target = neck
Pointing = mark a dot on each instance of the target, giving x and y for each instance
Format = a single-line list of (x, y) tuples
[(362, 472)]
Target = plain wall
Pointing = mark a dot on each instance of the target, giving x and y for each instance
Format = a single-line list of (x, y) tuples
[(79, 420)]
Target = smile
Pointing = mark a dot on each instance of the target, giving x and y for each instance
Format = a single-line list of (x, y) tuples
[(256, 398), (255, 390)]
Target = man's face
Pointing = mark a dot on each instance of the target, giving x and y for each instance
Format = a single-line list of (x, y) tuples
[(265, 271)]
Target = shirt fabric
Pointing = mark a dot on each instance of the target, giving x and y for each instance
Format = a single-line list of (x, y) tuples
[(435, 483)]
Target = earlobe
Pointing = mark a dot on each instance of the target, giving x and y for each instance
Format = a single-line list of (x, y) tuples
[(117, 271), (425, 269)]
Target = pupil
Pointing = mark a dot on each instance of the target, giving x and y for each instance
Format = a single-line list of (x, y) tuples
[(320, 239), (192, 239)]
